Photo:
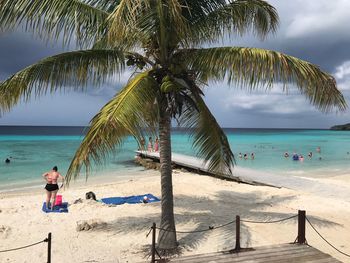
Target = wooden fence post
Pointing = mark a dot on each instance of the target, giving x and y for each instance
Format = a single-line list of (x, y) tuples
[(238, 234), (153, 243), (301, 227), (49, 248)]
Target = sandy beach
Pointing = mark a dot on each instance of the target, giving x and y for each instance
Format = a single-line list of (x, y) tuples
[(119, 232)]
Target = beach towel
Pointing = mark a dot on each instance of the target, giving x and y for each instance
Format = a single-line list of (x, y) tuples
[(63, 208), (134, 199)]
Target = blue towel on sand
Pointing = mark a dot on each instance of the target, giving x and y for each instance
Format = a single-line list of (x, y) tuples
[(57, 209), (134, 199)]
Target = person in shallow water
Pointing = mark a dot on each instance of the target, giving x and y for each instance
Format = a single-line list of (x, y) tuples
[(51, 187)]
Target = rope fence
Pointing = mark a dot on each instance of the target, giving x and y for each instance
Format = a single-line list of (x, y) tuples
[(318, 233), (48, 240), (223, 225), (301, 239), (269, 222), (18, 248)]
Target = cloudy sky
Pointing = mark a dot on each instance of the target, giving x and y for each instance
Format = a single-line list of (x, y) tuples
[(313, 30)]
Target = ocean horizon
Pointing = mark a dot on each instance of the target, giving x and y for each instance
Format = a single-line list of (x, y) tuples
[(33, 150)]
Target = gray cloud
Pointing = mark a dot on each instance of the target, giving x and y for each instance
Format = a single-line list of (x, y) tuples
[(313, 30), (324, 43), (19, 49)]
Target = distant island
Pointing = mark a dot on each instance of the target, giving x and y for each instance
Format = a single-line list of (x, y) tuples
[(345, 127)]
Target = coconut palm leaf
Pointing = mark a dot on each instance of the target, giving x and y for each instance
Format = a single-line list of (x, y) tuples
[(105, 5), (138, 22), (208, 137), (74, 69), (236, 17), (258, 68), (123, 21), (122, 116), (52, 19)]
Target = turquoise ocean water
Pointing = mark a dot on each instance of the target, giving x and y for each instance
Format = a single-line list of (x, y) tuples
[(34, 150)]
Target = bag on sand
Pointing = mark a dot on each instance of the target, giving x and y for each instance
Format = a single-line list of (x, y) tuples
[(90, 195), (58, 200)]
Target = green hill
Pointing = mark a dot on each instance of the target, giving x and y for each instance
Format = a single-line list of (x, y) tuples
[(345, 127)]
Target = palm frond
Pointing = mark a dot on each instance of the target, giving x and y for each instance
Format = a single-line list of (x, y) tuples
[(74, 69), (136, 23), (235, 17), (122, 22), (208, 138), (259, 68), (123, 116), (105, 5), (52, 19)]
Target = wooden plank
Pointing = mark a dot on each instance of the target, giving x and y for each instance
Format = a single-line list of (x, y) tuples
[(286, 253), (326, 260), (265, 257), (229, 258), (247, 255), (295, 258), (290, 257), (257, 250), (264, 249)]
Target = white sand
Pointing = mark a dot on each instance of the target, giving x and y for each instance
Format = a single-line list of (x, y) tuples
[(200, 201)]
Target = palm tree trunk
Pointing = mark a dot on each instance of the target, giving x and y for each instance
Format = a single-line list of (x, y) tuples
[(166, 239)]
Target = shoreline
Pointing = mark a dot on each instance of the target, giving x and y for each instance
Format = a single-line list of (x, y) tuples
[(112, 176), (93, 180)]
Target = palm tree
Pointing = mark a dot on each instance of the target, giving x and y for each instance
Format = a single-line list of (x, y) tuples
[(167, 43)]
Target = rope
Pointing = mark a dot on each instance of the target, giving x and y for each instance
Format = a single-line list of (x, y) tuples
[(341, 252), (149, 231), (197, 231), (18, 248), (268, 222), (229, 223)]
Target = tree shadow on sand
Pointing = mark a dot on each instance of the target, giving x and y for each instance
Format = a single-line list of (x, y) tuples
[(204, 212)]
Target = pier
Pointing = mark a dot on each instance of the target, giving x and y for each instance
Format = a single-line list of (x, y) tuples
[(250, 176), (198, 165)]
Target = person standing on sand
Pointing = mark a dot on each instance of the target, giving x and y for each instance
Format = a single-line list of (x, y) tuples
[(150, 145), (142, 144), (51, 187), (156, 145)]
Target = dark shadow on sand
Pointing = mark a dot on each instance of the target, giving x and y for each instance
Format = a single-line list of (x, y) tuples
[(204, 212)]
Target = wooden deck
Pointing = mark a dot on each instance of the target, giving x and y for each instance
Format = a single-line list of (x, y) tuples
[(197, 164), (285, 253)]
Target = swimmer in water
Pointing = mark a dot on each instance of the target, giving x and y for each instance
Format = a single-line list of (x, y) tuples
[(7, 160), (286, 154), (252, 156), (240, 155), (301, 158), (310, 155), (245, 156), (318, 149)]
